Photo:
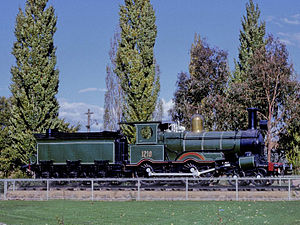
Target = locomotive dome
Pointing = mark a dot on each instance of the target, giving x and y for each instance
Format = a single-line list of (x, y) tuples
[(197, 123)]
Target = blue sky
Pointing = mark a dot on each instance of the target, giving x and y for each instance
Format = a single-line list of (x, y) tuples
[(85, 27)]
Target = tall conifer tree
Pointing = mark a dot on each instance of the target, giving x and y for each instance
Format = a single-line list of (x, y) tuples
[(135, 63), (34, 80), (251, 38)]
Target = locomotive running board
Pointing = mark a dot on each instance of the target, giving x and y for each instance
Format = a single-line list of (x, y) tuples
[(194, 173)]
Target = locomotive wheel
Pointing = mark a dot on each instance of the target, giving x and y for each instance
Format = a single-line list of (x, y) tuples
[(115, 182), (102, 183), (237, 174), (213, 182), (143, 174), (260, 173), (199, 182), (268, 182)]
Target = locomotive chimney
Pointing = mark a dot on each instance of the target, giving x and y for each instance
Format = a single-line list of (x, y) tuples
[(252, 118)]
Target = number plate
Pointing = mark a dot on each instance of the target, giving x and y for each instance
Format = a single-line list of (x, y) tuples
[(140, 152)]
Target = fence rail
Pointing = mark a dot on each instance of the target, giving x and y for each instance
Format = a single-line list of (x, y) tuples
[(280, 188)]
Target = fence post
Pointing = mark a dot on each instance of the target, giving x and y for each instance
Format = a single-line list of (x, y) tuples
[(47, 189), (92, 184), (289, 188), (5, 189), (236, 189), (138, 194), (186, 189), (14, 184)]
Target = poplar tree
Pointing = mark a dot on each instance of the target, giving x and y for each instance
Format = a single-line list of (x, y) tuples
[(159, 111), (34, 81), (251, 38), (135, 63), (237, 98), (4, 137), (113, 100), (4, 115)]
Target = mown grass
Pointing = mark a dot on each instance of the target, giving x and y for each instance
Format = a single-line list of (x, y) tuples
[(149, 212)]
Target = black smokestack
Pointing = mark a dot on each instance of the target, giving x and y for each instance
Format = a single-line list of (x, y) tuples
[(252, 118)]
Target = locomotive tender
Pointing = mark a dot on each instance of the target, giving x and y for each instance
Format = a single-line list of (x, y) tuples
[(161, 149)]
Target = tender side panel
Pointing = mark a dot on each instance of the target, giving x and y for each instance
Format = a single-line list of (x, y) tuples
[(140, 152), (86, 151)]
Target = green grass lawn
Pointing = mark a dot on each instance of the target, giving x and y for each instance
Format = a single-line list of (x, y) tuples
[(150, 212)]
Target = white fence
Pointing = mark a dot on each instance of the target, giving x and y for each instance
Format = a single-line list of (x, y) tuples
[(280, 188)]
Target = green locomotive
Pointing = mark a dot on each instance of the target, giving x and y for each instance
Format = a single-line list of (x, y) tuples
[(161, 149), (174, 152)]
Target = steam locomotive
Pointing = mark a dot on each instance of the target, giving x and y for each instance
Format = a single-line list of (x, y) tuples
[(161, 150)]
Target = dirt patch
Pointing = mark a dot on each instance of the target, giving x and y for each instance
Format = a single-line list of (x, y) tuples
[(112, 195)]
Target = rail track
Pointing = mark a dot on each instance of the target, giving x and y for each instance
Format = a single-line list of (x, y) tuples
[(150, 185)]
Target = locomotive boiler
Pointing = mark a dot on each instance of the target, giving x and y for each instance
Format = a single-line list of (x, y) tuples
[(161, 149)]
